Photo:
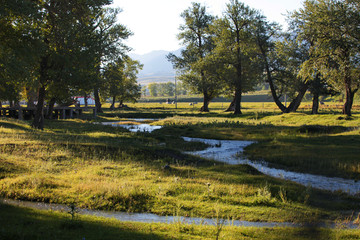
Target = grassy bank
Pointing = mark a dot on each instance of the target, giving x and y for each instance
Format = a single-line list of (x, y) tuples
[(22, 223), (326, 144), (101, 167)]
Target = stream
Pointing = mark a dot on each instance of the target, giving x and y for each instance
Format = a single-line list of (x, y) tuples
[(141, 127), (230, 152), (153, 218), (227, 151)]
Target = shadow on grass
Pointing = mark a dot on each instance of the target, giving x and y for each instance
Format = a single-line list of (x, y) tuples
[(295, 193), (14, 125), (328, 155), (24, 223), (142, 148)]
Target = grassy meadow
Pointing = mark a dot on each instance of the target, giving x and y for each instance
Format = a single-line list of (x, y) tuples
[(101, 167)]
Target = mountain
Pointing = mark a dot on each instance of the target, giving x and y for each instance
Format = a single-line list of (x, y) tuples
[(156, 67)]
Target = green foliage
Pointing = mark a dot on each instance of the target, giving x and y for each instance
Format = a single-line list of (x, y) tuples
[(162, 89), (332, 27), (193, 65), (61, 56), (120, 80), (19, 47)]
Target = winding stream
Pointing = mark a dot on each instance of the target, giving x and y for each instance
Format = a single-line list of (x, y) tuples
[(229, 151), (153, 218)]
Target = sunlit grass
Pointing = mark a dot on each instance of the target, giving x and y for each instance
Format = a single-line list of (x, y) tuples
[(102, 167)]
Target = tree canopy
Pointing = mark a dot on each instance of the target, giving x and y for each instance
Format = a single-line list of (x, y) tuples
[(57, 49)]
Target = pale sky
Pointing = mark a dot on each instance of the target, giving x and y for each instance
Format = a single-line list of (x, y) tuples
[(155, 23)]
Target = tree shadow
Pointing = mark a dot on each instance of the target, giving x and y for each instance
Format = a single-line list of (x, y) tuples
[(24, 223), (14, 125)]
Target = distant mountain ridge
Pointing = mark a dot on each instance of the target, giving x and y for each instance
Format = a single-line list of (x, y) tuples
[(156, 67)]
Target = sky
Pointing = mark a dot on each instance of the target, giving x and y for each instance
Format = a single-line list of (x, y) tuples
[(155, 23)]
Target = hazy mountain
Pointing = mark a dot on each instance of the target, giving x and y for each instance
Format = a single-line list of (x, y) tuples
[(156, 67)]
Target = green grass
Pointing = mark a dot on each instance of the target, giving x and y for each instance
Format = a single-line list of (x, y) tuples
[(101, 167), (23, 223), (325, 144)]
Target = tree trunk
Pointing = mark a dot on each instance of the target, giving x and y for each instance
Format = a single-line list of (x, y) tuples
[(276, 98), (239, 77), (18, 107), (51, 108), (231, 107), (39, 117), (85, 101), (315, 104), (112, 107), (31, 96), (121, 104), (237, 101), (97, 101), (294, 105), (207, 99), (39, 113), (349, 100)]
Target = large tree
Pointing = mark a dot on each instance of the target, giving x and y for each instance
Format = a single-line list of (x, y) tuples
[(71, 40), (282, 56), (236, 48), (197, 39), (107, 35), (334, 25), (19, 47), (56, 27)]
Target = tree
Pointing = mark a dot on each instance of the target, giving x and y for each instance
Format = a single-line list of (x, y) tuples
[(282, 56), (236, 47), (334, 25), (106, 41), (318, 88), (196, 38), (153, 89), (120, 79), (67, 42), (19, 47), (55, 27)]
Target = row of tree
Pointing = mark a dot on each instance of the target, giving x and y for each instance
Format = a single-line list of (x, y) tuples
[(233, 53), (164, 89), (51, 50)]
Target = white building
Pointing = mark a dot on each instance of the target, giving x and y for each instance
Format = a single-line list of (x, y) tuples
[(90, 100)]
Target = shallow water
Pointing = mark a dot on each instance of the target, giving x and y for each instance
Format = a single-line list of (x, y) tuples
[(230, 151), (142, 127), (153, 218)]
